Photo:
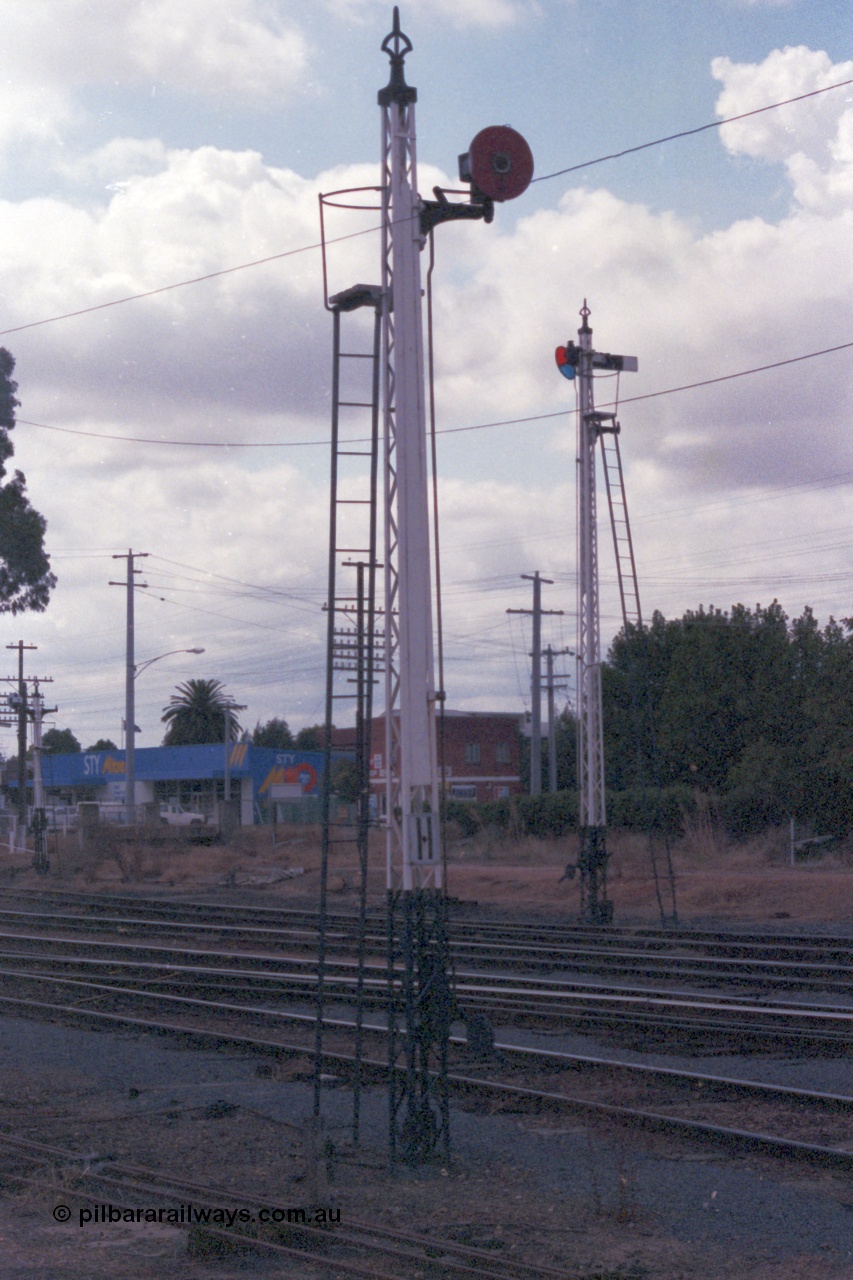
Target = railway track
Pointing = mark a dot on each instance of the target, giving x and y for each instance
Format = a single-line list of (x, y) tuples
[(247, 977), (350, 1247), (762, 962), (566, 1003), (784, 1121)]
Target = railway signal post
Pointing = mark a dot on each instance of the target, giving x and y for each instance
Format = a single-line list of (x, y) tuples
[(418, 1100), (579, 362), (498, 166)]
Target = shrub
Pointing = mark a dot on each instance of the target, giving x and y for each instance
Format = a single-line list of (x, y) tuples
[(464, 813), (548, 816), (496, 813)]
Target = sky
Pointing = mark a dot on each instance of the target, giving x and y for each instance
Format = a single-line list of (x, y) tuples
[(145, 144)]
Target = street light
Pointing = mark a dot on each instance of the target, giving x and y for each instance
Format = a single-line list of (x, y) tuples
[(229, 707), (142, 665), (130, 725)]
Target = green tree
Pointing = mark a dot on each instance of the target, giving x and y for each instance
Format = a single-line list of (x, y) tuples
[(743, 705), (196, 715), (567, 750), (25, 577), (311, 738), (60, 742), (344, 780), (275, 733), (103, 744), (824, 782), (566, 732)]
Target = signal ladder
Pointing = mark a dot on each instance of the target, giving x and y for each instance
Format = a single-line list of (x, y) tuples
[(629, 593), (626, 568), (354, 647)]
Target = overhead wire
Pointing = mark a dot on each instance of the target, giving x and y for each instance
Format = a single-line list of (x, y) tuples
[(443, 431), (183, 284), (247, 622), (264, 589), (446, 431), (289, 253), (524, 694), (689, 133)]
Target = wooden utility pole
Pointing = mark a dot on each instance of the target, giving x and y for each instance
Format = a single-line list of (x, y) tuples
[(22, 732), (536, 678), (130, 688), (550, 689)]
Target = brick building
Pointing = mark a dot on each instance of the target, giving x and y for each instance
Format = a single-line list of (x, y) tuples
[(482, 754)]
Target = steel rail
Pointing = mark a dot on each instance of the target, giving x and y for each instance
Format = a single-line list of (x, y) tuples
[(497, 1090), (809, 975), (583, 1006), (731, 938), (589, 951), (548, 997), (358, 1233), (537, 1056), (538, 983), (156, 947), (552, 1058), (175, 915)]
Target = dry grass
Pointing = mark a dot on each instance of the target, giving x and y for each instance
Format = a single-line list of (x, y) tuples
[(715, 878), (600, 1233)]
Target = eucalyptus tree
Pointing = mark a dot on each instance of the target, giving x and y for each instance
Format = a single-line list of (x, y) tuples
[(25, 577)]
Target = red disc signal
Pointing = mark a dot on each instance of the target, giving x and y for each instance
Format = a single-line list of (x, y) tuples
[(565, 362), (500, 163)]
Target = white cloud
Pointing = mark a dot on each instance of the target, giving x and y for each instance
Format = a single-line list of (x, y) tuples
[(33, 111), (238, 49), (247, 357), (249, 52), (692, 307), (118, 162), (461, 13), (812, 138), (239, 340)]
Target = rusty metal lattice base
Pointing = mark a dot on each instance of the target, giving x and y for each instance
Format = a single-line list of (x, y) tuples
[(420, 1011)]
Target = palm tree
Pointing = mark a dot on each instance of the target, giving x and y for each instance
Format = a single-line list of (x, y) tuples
[(196, 714)]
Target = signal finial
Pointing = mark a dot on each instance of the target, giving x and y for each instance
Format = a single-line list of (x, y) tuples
[(585, 314), (397, 44)]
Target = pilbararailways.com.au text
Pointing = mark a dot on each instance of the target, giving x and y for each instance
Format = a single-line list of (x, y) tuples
[(191, 1215)]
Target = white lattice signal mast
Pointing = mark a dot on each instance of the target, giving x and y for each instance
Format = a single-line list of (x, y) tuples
[(580, 361), (412, 792), (499, 166)]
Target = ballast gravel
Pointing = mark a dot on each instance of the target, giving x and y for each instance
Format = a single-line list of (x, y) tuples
[(738, 1213)]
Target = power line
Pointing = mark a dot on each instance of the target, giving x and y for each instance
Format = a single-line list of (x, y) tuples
[(308, 248), (182, 284), (444, 431), (186, 444), (727, 377), (687, 133), (653, 395), (254, 586), (211, 613)]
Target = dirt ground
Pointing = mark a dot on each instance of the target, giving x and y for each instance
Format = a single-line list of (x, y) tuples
[(600, 1236), (714, 881), (598, 1232)]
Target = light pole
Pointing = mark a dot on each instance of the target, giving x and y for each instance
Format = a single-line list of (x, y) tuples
[(229, 708), (142, 665), (130, 674), (135, 669)]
